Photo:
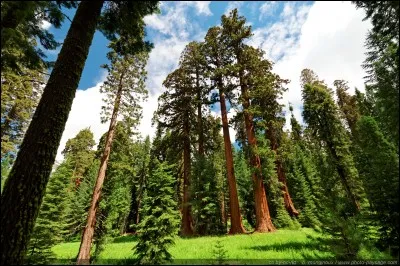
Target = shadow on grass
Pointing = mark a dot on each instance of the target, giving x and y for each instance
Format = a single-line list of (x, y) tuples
[(305, 249), (125, 239)]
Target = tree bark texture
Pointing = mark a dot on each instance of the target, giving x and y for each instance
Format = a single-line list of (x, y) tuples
[(88, 231), (25, 187), (270, 134), (236, 219), (263, 217), (187, 221)]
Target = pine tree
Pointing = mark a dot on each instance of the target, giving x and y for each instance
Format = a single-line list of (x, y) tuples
[(160, 222), (321, 115), (176, 111), (125, 90), (347, 105), (79, 151), (79, 199), (21, 26), (141, 165), (31, 170), (301, 174), (382, 63), (378, 164), (20, 93), (49, 227)]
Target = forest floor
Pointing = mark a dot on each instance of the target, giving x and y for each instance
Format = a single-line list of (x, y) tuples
[(270, 248)]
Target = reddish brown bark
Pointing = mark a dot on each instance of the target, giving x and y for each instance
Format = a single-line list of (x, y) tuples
[(263, 217), (236, 219), (281, 174), (199, 116), (88, 232), (187, 221)]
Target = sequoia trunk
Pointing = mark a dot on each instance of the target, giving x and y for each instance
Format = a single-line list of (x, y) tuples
[(263, 217), (187, 226), (236, 219), (270, 134)]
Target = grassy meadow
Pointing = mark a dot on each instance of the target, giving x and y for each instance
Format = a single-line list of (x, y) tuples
[(271, 248)]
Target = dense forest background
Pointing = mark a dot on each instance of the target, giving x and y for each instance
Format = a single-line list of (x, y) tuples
[(337, 173)]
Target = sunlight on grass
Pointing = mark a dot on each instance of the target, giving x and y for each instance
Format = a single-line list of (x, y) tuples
[(280, 245)]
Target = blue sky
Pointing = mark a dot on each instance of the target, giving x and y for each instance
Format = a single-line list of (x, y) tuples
[(97, 55), (327, 37)]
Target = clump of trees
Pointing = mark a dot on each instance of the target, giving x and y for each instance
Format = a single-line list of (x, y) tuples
[(336, 173)]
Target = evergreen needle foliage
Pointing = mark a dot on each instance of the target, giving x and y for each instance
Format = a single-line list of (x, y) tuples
[(159, 227)]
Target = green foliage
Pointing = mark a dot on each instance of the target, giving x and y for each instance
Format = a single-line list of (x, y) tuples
[(382, 63), (160, 222), (50, 224), (79, 199), (205, 197), (5, 170), (321, 115), (125, 88), (219, 253), (245, 187), (378, 164), (21, 26), (280, 216), (20, 94)]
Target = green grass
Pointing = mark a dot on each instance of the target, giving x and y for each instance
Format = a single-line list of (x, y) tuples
[(293, 245)]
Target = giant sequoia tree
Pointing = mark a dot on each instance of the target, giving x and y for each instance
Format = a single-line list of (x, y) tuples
[(31, 170), (125, 90), (234, 32), (217, 60)]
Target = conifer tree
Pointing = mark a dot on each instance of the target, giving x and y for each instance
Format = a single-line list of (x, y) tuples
[(160, 223), (347, 105), (176, 111), (20, 94), (124, 90), (21, 27), (378, 165), (31, 170), (49, 227), (234, 32), (217, 59), (382, 63), (321, 115)]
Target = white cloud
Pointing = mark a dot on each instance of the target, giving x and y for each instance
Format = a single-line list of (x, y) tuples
[(267, 9), (232, 5), (327, 37), (173, 29), (85, 112), (304, 37), (202, 7), (45, 25)]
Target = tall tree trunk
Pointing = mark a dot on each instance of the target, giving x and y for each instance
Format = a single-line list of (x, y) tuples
[(24, 189), (270, 134), (202, 226), (187, 225), (236, 219), (263, 217), (199, 115), (88, 231)]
